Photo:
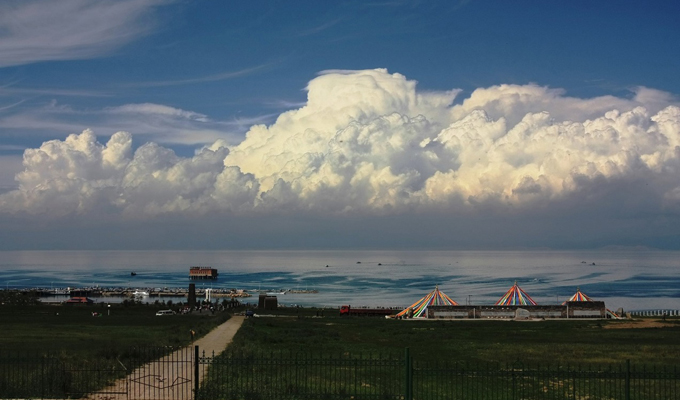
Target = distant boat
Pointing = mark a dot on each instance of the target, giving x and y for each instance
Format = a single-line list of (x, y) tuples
[(276, 293), (140, 293), (133, 274)]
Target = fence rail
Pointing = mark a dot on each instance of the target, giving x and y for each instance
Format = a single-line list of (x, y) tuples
[(346, 376), (35, 375), (301, 376), (248, 375)]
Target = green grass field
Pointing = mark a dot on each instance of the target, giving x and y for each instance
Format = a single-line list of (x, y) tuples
[(72, 353), (300, 356), (543, 342), (310, 353), (300, 352), (74, 331)]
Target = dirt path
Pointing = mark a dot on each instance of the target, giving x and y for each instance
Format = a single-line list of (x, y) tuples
[(171, 377)]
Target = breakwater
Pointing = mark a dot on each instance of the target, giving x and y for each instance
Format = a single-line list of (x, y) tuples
[(153, 292)]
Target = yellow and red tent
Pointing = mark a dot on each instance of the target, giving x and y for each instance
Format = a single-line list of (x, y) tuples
[(434, 298)]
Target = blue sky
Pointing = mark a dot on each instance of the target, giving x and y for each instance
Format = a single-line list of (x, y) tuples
[(195, 77)]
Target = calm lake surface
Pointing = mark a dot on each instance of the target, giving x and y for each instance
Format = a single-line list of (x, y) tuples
[(634, 280)]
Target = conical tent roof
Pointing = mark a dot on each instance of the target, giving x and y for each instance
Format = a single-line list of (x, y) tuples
[(434, 298), (516, 297), (578, 296)]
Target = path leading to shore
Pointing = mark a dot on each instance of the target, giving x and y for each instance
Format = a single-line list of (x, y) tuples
[(218, 339), (171, 378)]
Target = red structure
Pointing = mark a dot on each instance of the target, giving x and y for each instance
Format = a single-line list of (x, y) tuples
[(79, 300), (368, 312), (202, 273)]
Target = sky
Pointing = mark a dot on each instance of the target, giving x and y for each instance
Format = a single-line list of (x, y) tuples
[(160, 124)]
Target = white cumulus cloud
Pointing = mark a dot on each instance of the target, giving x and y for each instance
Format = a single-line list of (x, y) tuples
[(369, 143)]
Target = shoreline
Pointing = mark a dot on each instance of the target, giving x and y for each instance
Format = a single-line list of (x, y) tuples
[(154, 292)]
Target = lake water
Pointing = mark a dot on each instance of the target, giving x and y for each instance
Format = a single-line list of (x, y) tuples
[(634, 280)]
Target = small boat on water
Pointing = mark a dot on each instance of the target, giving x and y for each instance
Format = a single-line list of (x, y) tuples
[(133, 274), (140, 293), (276, 293)]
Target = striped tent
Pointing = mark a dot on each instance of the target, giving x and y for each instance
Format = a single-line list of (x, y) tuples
[(516, 297), (434, 298), (578, 296)]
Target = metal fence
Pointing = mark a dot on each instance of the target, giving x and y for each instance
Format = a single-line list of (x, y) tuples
[(239, 375), (137, 373), (520, 381), (183, 374), (34, 375), (170, 375), (248, 376)]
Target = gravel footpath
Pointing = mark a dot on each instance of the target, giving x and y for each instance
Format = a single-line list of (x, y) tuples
[(172, 376)]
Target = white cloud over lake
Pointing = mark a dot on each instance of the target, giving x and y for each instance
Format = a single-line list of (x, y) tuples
[(368, 143)]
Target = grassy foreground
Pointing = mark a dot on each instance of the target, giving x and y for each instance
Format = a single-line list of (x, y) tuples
[(74, 331), (64, 351), (300, 356), (573, 342)]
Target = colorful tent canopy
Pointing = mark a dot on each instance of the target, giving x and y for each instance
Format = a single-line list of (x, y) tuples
[(516, 297), (578, 296), (434, 298)]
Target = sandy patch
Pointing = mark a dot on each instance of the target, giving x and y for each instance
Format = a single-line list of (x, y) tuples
[(640, 323)]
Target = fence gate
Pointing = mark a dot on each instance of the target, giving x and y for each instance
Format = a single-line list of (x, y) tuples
[(169, 375)]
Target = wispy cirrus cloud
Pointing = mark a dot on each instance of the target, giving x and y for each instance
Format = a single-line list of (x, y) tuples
[(10, 106), (320, 28), (203, 79), (157, 122), (43, 30), (19, 91), (156, 109)]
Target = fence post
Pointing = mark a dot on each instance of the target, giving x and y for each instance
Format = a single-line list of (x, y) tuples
[(42, 376), (628, 379), (408, 366), (297, 367), (514, 389), (196, 366)]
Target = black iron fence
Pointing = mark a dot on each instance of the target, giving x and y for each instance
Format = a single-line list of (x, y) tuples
[(521, 381), (238, 375), (170, 374), (34, 375), (183, 374), (304, 376), (135, 373)]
